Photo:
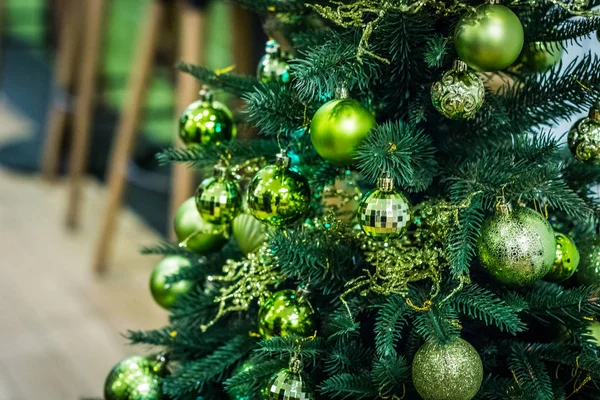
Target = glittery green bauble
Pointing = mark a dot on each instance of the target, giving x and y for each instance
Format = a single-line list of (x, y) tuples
[(588, 272), (278, 195), (458, 94), (447, 371), (517, 247), (584, 138), (288, 385), (135, 378), (384, 214), (285, 313), (540, 56), (273, 66), (490, 38), (249, 233), (194, 233), (338, 128), (566, 260), (218, 200), (166, 294), (206, 121)]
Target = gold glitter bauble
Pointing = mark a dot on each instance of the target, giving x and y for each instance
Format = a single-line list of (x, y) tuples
[(459, 93), (584, 138), (286, 313), (588, 271), (450, 371), (566, 260)]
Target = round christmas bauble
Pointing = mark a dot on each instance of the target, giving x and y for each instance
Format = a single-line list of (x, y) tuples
[(249, 233), (136, 378), (235, 393), (588, 271), (584, 138), (218, 199), (541, 56), (490, 38), (278, 195), (166, 294), (290, 384), (286, 313), (517, 247), (206, 121), (195, 234), (594, 331), (273, 66), (384, 213), (450, 371), (566, 259), (342, 197), (338, 128), (459, 93)]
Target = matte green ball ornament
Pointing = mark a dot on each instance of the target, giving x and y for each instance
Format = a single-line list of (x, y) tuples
[(136, 378), (219, 199), (278, 195), (249, 233), (195, 234), (384, 213), (273, 66), (450, 371), (338, 128), (490, 38), (286, 313), (584, 138), (566, 259), (516, 247), (166, 294), (290, 384), (588, 271), (459, 93), (541, 56), (206, 121)]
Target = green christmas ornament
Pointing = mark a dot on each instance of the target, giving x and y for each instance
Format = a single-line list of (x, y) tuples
[(516, 247), (540, 56), (206, 121), (249, 233), (459, 93), (450, 371), (286, 313), (219, 199), (136, 378), (278, 195), (273, 66), (588, 272), (584, 138), (384, 213), (166, 294), (594, 331), (234, 393), (195, 234), (566, 259), (338, 128), (290, 384), (490, 38)]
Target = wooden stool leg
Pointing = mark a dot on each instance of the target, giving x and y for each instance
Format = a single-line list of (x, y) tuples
[(62, 82), (84, 105), (128, 124), (191, 40)]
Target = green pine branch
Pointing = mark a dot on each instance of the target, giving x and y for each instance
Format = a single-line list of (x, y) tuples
[(234, 84), (346, 357), (346, 386), (306, 348), (550, 303), (391, 318), (390, 374), (531, 373), (167, 249)]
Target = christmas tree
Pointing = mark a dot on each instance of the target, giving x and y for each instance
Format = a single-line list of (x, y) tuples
[(406, 225)]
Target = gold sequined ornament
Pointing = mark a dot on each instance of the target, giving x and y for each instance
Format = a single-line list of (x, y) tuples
[(459, 93), (273, 66), (451, 371), (541, 56), (566, 259), (588, 271), (584, 138), (166, 294), (206, 121), (278, 195), (516, 247), (286, 312), (194, 233), (290, 384), (219, 199), (384, 213), (249, 233), (136, 378)]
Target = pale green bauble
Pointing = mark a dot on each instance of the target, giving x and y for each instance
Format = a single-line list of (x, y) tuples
[(194, 233), (540, 56), (459, 93), (450, 371), (588, 272), (249, 233), (136, 378), (338, 128), (166, 294), (286, 313), (490, 38), (566, 259)]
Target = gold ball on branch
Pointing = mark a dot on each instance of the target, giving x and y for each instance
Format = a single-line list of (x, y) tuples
[(541, 56), (588, 271), (565, 261), (195, 234), (286, 313), (136, 378), (273, 66), (459, 93), (166, 294), (584, 138), (219, 199), (249, 233)]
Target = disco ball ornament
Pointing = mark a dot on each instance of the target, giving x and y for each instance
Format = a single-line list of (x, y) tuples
[(286, 313), (290, 384), (218, 199), (566, 259), (459, 93), (166, 294), (136, 378), (273, 66), (195, 234), (584, 138), (588, 271)]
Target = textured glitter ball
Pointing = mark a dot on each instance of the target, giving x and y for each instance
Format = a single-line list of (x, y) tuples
[(135, 378), (289, 385), (459, 93), (286, 313), (384, 213)]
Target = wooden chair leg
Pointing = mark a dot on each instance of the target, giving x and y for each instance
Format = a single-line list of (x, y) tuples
[(62, 82), (126, 131), (191, 40), (242, 42), (84, 105)]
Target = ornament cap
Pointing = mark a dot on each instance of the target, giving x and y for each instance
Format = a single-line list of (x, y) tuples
[(493, 1), (385, 183), (460, 66), (206, 94), (503, 207), (342, 92), (594, 114), (272, 47), (220, 171), (296, 365), (282, 160)]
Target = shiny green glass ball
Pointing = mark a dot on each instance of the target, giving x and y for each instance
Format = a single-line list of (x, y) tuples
[(273, 66), (194, 233), (584, 140), (594, 330), (166, 294), (338, 128), (384, 214), (490, 38), (540, 56), (566, 259), (447, 371), (286, 313), (517, 247), (278, 195), (288, 385), (249, 233), (218, 200), (135, 378), (204, 122), (458, 94), (588, 272)]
